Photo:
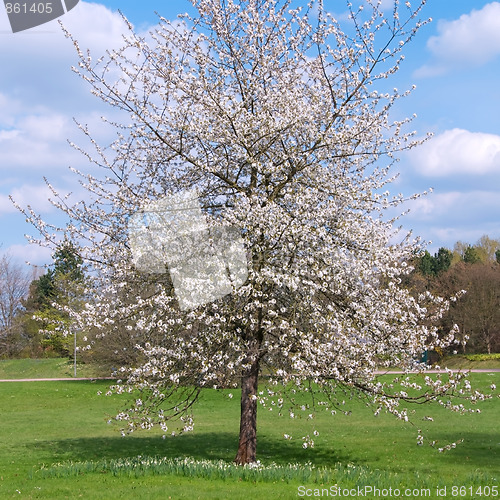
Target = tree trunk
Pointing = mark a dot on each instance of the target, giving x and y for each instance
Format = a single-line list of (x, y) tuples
[(247, 449)]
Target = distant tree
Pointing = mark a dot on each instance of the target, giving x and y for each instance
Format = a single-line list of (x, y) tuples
[(483, 251), (459, 248), (487, 247), (14, 287), (442, 260), (497, 256), (477, 312), (41, 292), (60, 285), (471, 255), (67, 264), (426, 264), (429, 265), (471, 268)]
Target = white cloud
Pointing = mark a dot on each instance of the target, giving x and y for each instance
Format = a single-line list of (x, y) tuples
[(35, 196), (9, 108), (38, 197), (92, 24), (435, 206), (36, 76), (8, 135), (39, 96), (387, 4), (458, 151), (45, 128), (427, 207), (454, 234), (34, 254), (470, 41), (446, 217), (468, 207), (37, 144), (34, 150)]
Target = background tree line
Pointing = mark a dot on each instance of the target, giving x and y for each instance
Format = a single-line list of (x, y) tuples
[(33, 322), (32, 326), (475, 269)]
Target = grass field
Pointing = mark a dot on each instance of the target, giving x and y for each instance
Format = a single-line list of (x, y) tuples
[(472, 362), (45, 368), (45, 423)]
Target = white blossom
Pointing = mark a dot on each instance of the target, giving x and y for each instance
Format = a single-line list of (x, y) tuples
[(282, 127)]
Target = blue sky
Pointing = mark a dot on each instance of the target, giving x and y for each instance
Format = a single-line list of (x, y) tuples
[(454, 62)]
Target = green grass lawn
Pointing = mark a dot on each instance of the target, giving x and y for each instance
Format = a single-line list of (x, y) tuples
[(45, 368), (44, 423), (472, 361)]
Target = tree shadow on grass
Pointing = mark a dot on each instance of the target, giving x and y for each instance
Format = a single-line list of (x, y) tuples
[(479, 449), (201, 446)]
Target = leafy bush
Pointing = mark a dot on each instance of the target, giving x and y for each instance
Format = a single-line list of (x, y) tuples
[(482, 357)]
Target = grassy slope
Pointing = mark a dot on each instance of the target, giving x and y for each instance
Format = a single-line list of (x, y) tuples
[(50, 422), (464, 363), (43, 368)]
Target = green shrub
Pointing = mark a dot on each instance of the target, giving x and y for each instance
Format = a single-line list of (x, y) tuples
[(482, 357)]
